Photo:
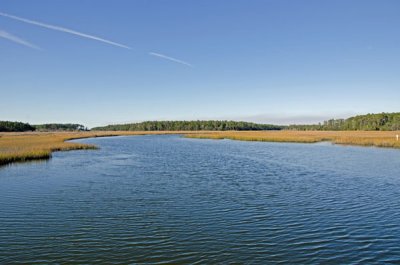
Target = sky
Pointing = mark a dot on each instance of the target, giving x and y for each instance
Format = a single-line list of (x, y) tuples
[(99, 62)]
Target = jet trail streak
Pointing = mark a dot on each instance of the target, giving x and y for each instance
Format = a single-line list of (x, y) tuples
[(8, 36), (58, 28)]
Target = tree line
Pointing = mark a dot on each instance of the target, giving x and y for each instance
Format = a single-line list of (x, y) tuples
[(11, 126), (368, 122), (60, 127), (211, 125)]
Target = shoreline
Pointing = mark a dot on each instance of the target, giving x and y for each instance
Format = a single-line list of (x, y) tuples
[(30, 146), (381, 139)]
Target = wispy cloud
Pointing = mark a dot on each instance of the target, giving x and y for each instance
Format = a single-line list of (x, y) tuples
[(170, 58), (62, 29), (76, 33), (9, 36)]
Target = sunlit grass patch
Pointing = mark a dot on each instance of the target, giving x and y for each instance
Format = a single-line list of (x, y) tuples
[(363, 138), (20, 147)]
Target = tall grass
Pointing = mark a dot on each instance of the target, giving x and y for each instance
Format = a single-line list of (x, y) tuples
[(363, 138), (20, 147)]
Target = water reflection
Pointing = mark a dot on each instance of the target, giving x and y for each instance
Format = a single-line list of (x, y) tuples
[(166, 199)]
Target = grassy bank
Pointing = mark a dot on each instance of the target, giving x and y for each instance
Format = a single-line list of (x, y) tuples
[(20, 147), (363, 138)]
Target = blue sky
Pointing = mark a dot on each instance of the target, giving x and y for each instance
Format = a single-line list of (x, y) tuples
[(267, 61)]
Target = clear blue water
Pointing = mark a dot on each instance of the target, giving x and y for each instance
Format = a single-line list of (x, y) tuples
[(167, 199)]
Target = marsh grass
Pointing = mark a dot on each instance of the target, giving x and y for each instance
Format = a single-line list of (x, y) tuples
[(21, 147), (363, 138)]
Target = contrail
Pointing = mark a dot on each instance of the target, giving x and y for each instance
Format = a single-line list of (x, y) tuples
[(8, 36), (57, 28), (170, 58), (76, 33)]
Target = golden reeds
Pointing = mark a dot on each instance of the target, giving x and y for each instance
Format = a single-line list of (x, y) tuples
[(363, 138), (19, 147), (30, 146)]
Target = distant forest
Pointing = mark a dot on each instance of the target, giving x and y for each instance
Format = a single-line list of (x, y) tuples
[(368, 122), (11, 126), (60, 127), (189, 126)]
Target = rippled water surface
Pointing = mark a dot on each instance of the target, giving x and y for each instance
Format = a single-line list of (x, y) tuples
[(167, 199)]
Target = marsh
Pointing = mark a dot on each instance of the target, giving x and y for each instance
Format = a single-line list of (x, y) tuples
[(170, 199)]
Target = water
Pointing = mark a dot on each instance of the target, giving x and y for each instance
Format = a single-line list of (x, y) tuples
[(167, 199)]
